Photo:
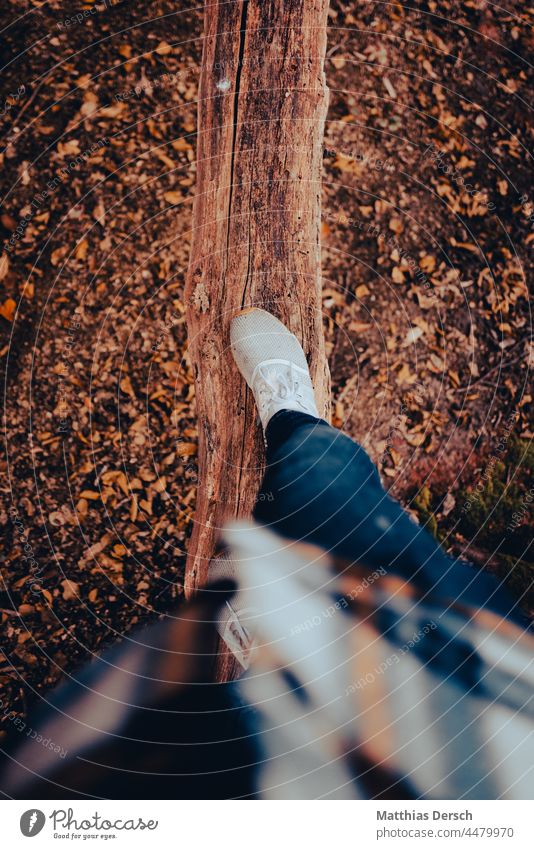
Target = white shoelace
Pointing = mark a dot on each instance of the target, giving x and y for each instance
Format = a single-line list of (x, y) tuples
[(275, 385)]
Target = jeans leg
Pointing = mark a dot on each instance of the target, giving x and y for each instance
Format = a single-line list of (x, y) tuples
[(321, 486)]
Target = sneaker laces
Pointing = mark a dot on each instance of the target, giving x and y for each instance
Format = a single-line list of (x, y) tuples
[(275, 381)]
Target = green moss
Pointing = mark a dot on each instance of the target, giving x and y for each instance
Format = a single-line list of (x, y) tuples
[(493, 512), (488, 506), (519, 574), (422, 504)]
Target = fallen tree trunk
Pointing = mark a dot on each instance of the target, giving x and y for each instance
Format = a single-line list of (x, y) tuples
[(256, 227)]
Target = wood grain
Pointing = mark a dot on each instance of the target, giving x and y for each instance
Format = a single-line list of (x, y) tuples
[(256, 220)]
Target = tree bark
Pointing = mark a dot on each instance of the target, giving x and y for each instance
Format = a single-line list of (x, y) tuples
[(256, 228)]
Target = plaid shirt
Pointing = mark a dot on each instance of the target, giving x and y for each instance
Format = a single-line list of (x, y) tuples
[(366, 691), (356, 688)]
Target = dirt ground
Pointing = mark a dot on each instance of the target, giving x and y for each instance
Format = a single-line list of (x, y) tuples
[(427, 229)]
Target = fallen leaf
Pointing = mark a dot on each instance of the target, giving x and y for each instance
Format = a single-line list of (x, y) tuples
[(428, 262), (90, 104), (405, 375), (455, 377), (181, 144), (173, 197), (415, 439), (70, 589), (389, 88), (99, 213), (359, 326), (58, 254), (165, 159), (146, 506), (4, 265), (163, 49), (113, 111), (90, 494), (161, 484), (7, 310), (448, 504), (56, 518), (126, 386), (183, 449), (435, 364), (68, 148), (414, 333), (81, 250), (338, 62)]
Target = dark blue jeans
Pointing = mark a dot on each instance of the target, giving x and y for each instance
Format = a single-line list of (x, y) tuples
[(320, 486)]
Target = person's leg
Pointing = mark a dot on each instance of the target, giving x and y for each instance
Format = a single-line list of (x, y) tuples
[(321, 486)]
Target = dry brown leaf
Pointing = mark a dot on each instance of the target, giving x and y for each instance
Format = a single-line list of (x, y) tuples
[(69, 148), (81, 250), (173, 197), (359, 326), (415, 439), (116, 476), (70, 589), (90, 494), (428, 262), (126, 386), (163, 49), (414, 333), (435, 364), (134, 509), (113, 111), (89, 105), (183, 449), (347, 164), (181, 144), (338, 62), (99, 213), (7, 310), (165, 159), (4, 265), (405, 375), (160, 485)]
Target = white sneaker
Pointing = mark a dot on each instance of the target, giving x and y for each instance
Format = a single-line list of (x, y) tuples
[(272, 361)]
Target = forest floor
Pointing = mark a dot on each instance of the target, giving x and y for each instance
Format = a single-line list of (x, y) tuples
[(427, 229)]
